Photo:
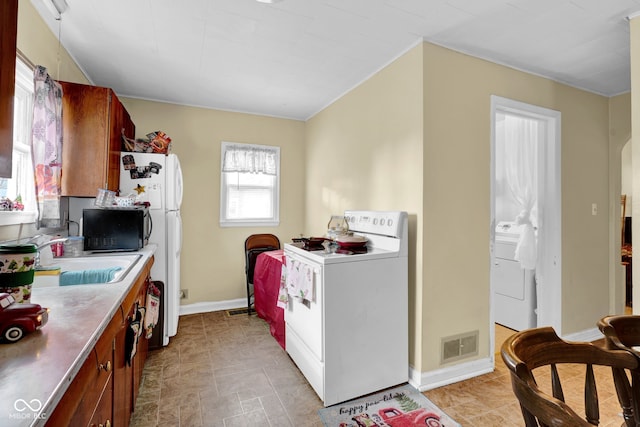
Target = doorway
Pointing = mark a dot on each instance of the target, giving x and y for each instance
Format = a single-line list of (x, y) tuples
[(533, 208)]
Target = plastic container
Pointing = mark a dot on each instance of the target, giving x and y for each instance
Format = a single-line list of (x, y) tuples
[(16, 270), (74, 246), (105, 198), (125, 202)]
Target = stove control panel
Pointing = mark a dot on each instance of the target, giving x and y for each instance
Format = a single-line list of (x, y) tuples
[(386, 223)]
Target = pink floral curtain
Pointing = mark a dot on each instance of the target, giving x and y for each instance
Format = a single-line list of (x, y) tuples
[(46, 147)]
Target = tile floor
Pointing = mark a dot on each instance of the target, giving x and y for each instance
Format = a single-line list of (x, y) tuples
[(227, 371), (224, 371)]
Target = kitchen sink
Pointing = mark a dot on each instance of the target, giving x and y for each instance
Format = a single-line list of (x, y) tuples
[(47, 277)]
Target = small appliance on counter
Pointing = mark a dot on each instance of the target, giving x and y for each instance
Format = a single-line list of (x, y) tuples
[(116, 229)]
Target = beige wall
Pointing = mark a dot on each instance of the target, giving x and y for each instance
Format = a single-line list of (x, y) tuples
[(457, 91), (213, 257), (451, 207), (364, 152)]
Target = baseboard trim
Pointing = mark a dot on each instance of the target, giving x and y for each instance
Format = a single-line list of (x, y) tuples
[(424, 381), (587, 335), (206, 307)]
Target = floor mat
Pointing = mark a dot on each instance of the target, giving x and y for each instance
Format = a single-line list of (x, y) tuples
[(401, 406)]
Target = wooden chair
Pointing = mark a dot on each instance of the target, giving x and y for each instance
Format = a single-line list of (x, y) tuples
[(254, 245), (623, 332), (528, 350)]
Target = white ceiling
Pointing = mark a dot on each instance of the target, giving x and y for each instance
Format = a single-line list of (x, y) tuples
[(295, 57)]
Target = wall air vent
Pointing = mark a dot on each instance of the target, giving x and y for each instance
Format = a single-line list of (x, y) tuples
[(459, 347)]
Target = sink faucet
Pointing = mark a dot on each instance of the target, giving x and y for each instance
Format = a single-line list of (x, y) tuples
[(44, 245)]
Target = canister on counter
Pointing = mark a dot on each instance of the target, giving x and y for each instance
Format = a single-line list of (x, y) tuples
[(16, 270), (57, 248)]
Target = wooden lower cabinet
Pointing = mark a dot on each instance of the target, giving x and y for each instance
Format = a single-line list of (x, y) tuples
[(103, 392), (128, 371), (102, 415)]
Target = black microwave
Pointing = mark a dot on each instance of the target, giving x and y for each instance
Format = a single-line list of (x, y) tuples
[(116, 229)]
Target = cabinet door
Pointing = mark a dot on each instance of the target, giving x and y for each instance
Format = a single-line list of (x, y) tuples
[(127, 375), (93, 121), (122, 402), (120, 123), (88, 388), (102, 417), (85, 119)]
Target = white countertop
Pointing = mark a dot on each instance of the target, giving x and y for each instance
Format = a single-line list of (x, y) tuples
[(36, 371)]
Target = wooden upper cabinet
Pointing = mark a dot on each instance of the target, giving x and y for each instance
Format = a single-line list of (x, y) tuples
[(93, 119), (8, 37)]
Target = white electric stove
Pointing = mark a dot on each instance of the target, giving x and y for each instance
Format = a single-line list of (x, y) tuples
[(351, 337)]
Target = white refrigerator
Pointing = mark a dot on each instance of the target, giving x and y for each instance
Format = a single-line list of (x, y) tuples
[(157, 179)]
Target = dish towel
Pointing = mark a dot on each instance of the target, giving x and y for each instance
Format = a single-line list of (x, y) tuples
[(300, 280), (82, 277), (153, 310), (283, 295)]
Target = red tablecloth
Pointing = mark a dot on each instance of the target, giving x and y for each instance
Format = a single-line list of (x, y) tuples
[(266, 286)]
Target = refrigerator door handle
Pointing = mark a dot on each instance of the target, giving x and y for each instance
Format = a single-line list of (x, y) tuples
[(178, 234), (174, 183), (178, 185)]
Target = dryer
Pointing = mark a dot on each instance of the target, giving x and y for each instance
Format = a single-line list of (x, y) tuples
[(514, 290)]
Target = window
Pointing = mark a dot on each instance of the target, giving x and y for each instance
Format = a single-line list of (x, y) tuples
[(21, 182), (250, 182)]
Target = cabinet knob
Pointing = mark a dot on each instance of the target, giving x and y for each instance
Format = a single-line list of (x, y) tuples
[(106, 424), (105, 366)]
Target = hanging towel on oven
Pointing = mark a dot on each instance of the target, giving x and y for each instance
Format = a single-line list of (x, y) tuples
[(283, 294), (300, 283)]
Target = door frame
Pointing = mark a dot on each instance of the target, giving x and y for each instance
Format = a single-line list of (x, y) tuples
[(549, 270)]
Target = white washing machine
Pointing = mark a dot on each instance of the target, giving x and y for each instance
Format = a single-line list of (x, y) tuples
[(514, 296)]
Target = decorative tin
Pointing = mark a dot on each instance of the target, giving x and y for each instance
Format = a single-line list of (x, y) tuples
[(16, 270)]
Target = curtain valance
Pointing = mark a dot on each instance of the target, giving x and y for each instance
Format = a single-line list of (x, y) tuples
[(250, 159)]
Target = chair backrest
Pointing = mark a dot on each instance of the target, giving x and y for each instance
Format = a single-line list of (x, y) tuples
[(261, 241), (623, 332), (530, 349), (254, 245)]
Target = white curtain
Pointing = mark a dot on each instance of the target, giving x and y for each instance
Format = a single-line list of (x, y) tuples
[(250, 159), (521, 170)]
